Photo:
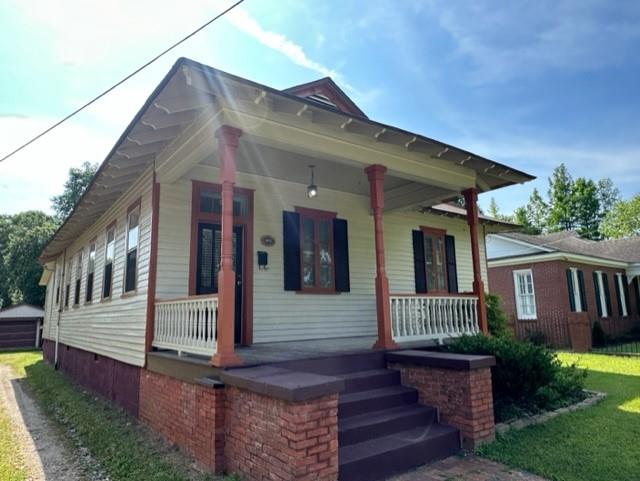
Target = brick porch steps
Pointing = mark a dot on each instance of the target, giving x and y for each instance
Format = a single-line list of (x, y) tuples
[(382, 429)]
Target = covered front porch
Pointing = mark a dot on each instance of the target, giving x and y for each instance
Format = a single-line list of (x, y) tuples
[(279, 218)]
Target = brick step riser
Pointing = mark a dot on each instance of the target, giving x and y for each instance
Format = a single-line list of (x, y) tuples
[(362, 406), (400, 460), (343, 364), (385, 428)]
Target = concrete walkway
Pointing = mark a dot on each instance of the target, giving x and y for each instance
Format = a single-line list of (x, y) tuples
[(466, 468)]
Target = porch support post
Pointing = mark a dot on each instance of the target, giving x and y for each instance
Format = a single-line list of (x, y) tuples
[(383, 307), (471, 203), (228, 140)]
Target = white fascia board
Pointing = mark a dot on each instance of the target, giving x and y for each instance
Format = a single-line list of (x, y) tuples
[(557, 256)]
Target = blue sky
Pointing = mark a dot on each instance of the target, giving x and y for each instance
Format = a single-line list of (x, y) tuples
[(530, 84)]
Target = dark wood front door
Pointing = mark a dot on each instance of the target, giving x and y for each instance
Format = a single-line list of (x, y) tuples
[(209, 245)]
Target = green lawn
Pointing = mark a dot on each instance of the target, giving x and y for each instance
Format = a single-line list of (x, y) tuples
[(625, 348), (123, 449), (597, 444)]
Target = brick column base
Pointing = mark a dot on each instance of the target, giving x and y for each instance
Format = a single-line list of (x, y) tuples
[(269, 439), (464, 398), (579, 331), (188, 415)]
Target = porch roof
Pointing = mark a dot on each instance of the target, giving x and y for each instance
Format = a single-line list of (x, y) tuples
[(191, 96)]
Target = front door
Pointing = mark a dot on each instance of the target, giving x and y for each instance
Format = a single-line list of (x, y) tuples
[(209, 244)]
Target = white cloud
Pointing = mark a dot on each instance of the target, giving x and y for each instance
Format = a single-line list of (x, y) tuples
[(30, 178)]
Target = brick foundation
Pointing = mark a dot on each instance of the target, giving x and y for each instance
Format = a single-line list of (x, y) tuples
[(464, 398), (114, 380), (269, 439), (188, 415)]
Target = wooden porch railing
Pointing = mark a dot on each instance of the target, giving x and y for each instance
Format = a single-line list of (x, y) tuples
[(187, 325), (425, 317)]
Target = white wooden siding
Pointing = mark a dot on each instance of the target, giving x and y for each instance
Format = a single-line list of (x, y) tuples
[(281, 315), (115, 327)]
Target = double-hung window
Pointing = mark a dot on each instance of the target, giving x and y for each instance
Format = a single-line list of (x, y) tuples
[(67, 285), (78, 280), (91, 267), (133, 237), (525, 294), (575, 286), (109, 253)]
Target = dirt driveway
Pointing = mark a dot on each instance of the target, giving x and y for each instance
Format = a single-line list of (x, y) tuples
[(46, 456)]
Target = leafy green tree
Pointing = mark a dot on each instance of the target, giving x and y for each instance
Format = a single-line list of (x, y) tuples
[(561, 208), (586, 208), (623, 220), (26, 234), (494, 211), (608, 196), (537, 212), (521, 217), (5, 224), (78, 180)]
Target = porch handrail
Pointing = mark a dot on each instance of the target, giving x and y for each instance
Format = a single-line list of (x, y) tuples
[(433, 317), (187, 325)]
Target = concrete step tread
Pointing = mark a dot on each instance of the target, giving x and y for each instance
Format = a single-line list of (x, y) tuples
[(374, 393), (387, 445), (368, 373), (383, 416)]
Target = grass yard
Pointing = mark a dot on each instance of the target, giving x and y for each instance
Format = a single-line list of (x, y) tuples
[(11, 468), (597, 444), (122, 448), (625, 348)]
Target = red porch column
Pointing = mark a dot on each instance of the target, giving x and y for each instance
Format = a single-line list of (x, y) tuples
[(228, 140), (471, 203), (383, 307)]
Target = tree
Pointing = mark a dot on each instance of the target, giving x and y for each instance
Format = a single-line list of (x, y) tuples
[(561, 207), (25, 235), (537, 212), (623, 220), (494, 211), (5, 298), (608, 196), (521, 217), (78, 180), (586, 208)]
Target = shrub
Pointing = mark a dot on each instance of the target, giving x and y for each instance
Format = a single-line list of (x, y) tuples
[(527, 378), (538, 338), (496, 318), (598, 337)]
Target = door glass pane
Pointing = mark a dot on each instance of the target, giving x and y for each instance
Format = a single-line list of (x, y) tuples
[(308, 253), (211, 203), (440, 264), (325, 253), (206, 260), (428, 257)]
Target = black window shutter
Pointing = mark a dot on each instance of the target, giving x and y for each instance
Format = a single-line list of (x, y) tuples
[(596, 289), (572, 300), (637, 289), (625, 287), (418, 262), (452, 269), (291, 250), (618, 296), (341, 255), (607, 293), (583, 292)]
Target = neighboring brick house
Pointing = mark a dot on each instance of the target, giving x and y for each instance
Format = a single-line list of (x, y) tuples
[(558, 284)]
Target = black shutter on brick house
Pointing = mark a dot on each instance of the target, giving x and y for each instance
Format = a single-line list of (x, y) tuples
[(452, 269), (291, 250), (572, 299), (607, 293), (583, 292), (341, 255), (419, 262), (596, 289)]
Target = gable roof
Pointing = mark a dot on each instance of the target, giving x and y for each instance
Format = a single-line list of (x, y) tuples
[(161, 120), (325, 91), (625, 250), (21, 311)]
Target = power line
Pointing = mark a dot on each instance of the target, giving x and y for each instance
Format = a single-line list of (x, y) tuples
[(135, 72)]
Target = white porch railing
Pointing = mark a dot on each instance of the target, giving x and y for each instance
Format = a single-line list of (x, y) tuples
[(187, 325), (423, 317)]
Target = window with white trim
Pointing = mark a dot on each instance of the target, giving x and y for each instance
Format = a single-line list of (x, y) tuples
[(131, 262), (91, 267), (109, 253), (622, 297), (78, 279), (604, 311), (575, 291), (525, 294)]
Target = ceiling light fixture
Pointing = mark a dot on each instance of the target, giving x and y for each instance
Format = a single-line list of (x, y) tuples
[(312, 188)]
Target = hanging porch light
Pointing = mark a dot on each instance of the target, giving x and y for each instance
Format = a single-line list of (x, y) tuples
[(312, 188)]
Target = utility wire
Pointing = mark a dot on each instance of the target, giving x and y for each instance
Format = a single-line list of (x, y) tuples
[(135, 72)]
